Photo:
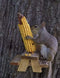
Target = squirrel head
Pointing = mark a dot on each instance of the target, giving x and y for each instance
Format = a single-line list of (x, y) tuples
[(35, 29)]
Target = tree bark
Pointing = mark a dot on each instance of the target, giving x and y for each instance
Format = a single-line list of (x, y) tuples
[(11, 42)]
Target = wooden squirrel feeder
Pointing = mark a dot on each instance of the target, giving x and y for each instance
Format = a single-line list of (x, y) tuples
[(28, 58)]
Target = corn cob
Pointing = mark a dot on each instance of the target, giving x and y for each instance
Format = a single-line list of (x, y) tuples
[(25, 30)]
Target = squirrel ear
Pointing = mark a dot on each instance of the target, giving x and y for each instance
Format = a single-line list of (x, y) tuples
[(43, 24)]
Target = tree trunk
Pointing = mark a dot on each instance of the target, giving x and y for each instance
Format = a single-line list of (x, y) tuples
[(11, 42)]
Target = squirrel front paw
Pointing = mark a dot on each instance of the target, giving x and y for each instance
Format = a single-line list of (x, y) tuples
[(27, 37)]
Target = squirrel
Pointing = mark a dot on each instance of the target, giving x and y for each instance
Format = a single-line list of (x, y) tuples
[(42, 37), (46, 43)]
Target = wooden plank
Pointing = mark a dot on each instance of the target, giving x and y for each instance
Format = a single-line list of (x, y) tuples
[(34, 56), (36, 66), (23, 64)]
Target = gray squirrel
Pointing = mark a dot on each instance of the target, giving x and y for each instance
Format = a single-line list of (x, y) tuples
[(49, 44)]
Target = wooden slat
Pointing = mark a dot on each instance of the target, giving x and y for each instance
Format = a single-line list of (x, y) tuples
[(34, 56), (36, 66), (23, 64)]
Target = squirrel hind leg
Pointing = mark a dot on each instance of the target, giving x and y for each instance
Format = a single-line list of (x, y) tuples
[(47, 53), (51, 55)]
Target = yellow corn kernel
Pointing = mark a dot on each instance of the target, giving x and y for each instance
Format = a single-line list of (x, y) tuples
[(25, 30), (26, 54), (29, 54)]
